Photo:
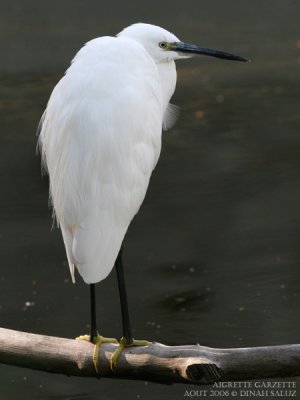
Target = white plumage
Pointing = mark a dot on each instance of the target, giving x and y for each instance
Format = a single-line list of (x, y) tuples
[(100, 139)]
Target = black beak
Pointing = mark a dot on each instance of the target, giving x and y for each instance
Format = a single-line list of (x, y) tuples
[(194, 49)]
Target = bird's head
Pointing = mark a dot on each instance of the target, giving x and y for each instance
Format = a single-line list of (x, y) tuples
[(163, 46)]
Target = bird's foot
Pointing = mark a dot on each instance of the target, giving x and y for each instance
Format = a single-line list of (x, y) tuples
[(122, 345), (97, 341)]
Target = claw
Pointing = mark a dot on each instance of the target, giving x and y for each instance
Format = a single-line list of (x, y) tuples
[(97, 341), (123, 344)]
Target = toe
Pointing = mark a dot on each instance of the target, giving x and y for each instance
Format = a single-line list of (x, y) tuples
[(123, 344), (83, 337)]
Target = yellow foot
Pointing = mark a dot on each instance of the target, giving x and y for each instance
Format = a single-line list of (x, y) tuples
[(123, 344), (97, 341)]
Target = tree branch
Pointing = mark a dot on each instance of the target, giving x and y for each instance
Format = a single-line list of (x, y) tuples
[(157, 362)]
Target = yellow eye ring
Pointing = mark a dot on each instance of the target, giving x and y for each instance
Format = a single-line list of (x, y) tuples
[(163, 45)]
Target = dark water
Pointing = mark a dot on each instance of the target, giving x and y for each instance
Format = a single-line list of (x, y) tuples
[(213, 256)]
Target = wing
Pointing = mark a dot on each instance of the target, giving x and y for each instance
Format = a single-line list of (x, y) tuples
[(100, 140), (170, 116)]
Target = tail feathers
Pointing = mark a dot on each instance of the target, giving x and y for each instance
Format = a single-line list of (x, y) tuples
[(93, 257), (68, 240), (72, 271)]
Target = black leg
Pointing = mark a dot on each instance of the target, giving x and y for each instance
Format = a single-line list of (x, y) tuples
[(123, 298), (94, 331)]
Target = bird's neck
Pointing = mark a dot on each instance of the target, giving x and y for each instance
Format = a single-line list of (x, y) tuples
[(168, 76)]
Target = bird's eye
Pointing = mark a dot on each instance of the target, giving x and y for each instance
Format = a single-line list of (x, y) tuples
[(163, 45)]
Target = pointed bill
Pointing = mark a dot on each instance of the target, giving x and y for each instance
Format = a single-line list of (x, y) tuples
[(195, 49)]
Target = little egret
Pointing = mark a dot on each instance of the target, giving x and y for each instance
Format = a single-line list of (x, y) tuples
[(100, 139)]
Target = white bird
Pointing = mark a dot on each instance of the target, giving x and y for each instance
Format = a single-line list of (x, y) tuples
[(100, 139)]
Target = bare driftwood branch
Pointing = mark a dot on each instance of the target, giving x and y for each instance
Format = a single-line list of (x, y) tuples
[(157, 362)]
